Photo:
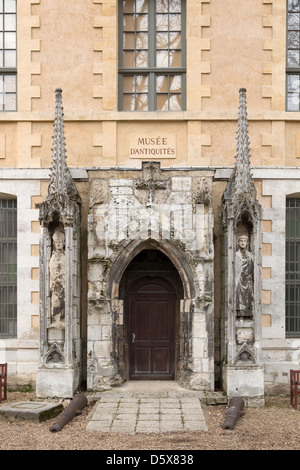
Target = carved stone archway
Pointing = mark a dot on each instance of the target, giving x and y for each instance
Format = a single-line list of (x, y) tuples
[(159, 210), (135, 247), (184, 280)]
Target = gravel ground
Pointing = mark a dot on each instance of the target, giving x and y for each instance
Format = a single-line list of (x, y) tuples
[(274, 427)]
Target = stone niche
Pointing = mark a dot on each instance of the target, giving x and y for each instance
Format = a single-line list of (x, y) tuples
[(158, 224), (242, 366), (60, 344)]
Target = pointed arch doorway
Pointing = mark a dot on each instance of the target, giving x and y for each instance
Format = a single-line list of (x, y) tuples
[(151, 289)]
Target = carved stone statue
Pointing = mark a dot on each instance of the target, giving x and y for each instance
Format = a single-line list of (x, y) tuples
[(57, 280), (244, 272)]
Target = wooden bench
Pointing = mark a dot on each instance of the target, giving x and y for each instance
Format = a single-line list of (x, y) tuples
[(3, 381), (295, 387)]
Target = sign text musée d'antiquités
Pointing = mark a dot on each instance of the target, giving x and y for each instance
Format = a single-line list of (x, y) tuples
[(152, 146)]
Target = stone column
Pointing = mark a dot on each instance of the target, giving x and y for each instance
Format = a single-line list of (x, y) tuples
[(59, 372), (241, 270)]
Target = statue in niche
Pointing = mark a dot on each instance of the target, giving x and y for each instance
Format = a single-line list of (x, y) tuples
[(57, 279), (244, 275)]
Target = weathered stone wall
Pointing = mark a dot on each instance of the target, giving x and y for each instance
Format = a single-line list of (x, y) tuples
[(168, 210)]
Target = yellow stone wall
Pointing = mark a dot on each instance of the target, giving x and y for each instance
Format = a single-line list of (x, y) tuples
[(73, 45)]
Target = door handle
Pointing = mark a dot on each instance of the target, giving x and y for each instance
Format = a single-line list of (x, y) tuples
[(133, 337)]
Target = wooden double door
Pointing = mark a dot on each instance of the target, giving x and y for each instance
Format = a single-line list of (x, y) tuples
[(151, 329)]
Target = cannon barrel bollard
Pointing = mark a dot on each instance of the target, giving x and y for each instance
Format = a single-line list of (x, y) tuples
[(235, 410), (73, 409)]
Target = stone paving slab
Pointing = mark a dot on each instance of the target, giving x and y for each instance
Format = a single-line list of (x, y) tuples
[(151, 406), (30, 411), (139, 415)]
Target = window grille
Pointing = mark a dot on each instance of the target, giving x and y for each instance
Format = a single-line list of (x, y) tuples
[(152, 55), (8, 268), (8, 55), (292, 299)]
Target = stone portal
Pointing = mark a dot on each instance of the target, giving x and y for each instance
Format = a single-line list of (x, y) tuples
[(142, 213)]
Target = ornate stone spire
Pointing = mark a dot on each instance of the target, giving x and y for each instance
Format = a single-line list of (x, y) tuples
[(243, 177), (62, 192), (61, 183), (241, 182)]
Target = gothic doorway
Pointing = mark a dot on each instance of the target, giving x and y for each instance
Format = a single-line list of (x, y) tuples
[(151, 290)]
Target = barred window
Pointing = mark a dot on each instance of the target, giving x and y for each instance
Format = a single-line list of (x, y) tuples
[(152, 55), (8, 55), (8, 268), (292, 298)]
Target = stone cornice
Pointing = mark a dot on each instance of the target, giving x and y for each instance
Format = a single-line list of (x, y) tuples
[(150, 116)]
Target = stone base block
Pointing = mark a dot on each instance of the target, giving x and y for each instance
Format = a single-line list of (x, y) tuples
[(33, 411), (57, 382), (244, 381), (201, 381)]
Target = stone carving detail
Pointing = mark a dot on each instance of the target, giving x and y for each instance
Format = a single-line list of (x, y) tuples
[(150, 181), (57, 267), (63, 198), (244, 335), (241, 183), (156, 203), (244, 273), (244, 356), (54, 356), (203, 194)]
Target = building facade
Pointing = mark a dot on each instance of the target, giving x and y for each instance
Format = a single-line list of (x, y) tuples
[(126, 127)]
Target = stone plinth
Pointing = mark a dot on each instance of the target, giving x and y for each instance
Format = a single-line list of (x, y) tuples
[(244, 381), (57, 382)]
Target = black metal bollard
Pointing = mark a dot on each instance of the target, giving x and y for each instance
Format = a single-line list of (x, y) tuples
[(74, 408), (235, 410)]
